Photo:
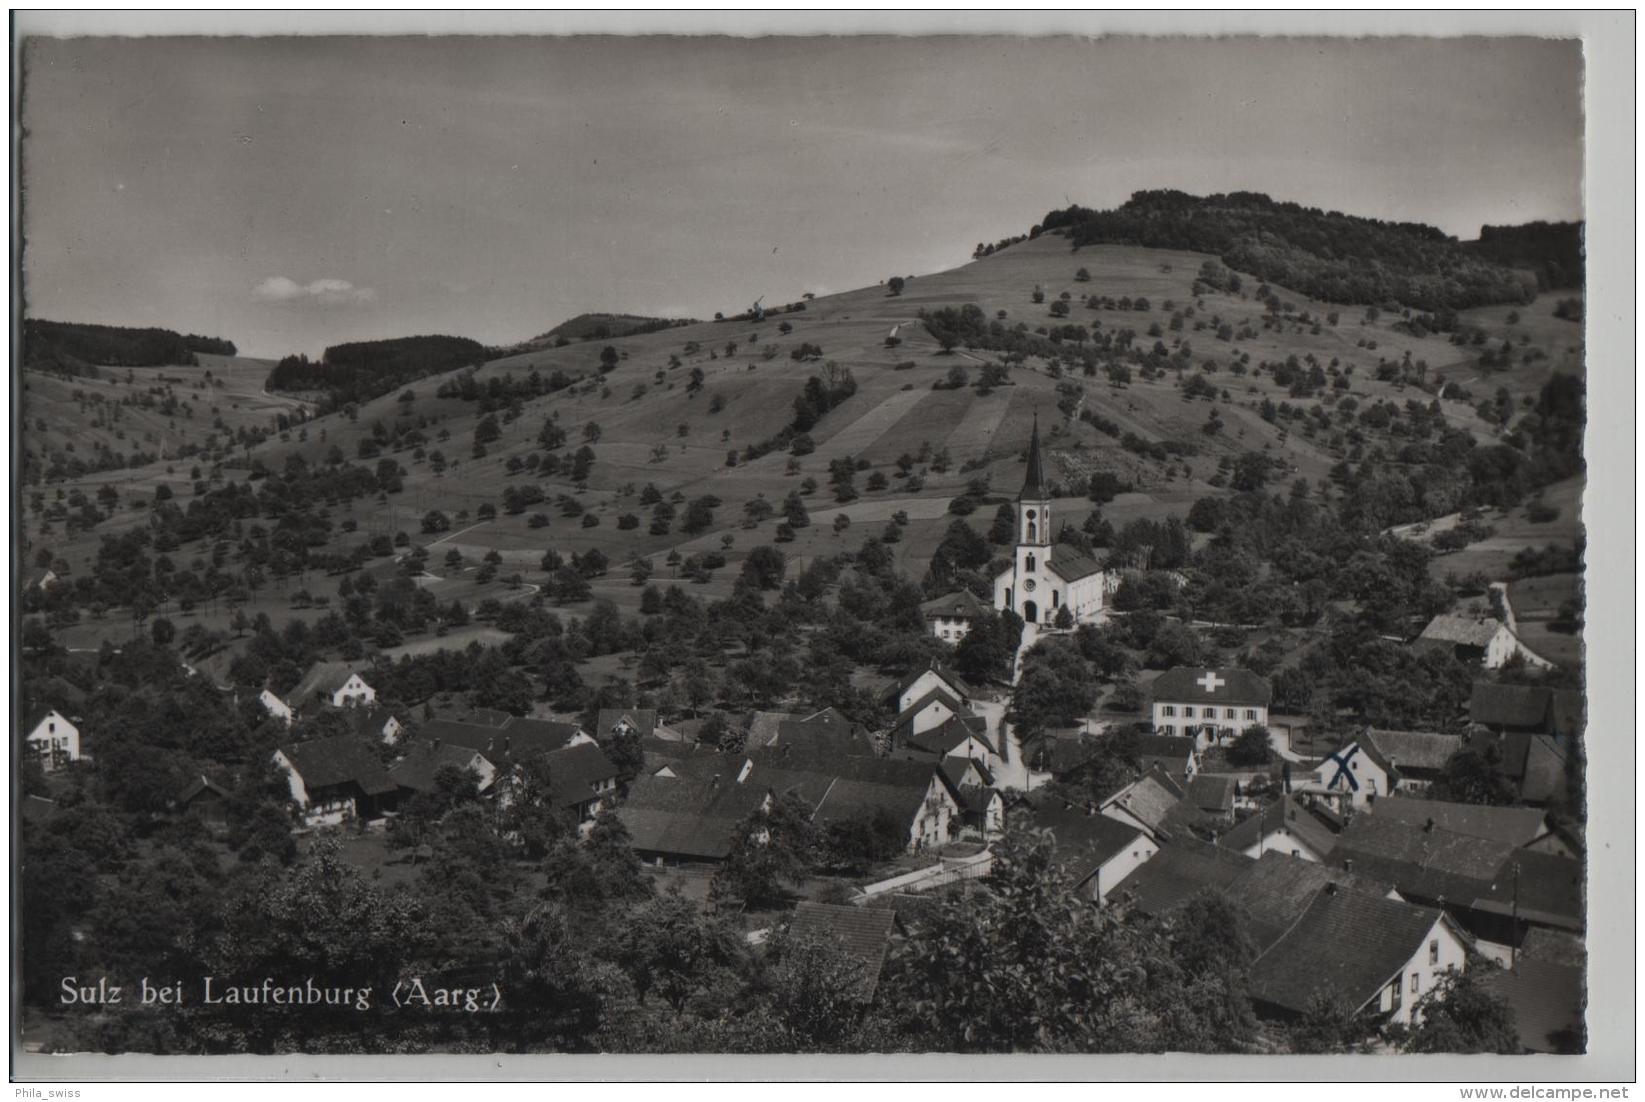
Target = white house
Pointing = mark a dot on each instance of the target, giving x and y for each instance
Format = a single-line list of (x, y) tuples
[(1206, 705), (1356, 775), (335, 683), (53, 738), (276, 707), (1045, 578), (922, 682), (1094, 852), (1283, 827), (1485, 640), (1383, 955), (336, 779), (950, 617)]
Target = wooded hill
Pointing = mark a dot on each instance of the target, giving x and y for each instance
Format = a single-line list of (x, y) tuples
[(362, 370), (75, 348), (1327, 255)]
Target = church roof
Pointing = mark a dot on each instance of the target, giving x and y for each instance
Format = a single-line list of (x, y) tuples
[(1033, 486), (1071, 565)]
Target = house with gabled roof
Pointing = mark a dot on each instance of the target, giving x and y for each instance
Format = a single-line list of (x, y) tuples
[(505, 744), (638, 722), (338, 684), (1273, 891), (927, 679), (1179, 870), (206, 800), (1285, 826), (333, 780), (1376, 954), (1094, 852), (1485, 640), (424, 759), (1153, 803), (1176, 757), (1526, 709), (863, 933), (51, 737), (1419, 756)]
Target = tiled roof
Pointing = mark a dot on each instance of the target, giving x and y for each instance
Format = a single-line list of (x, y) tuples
[(328, 762), (1186, 685), (1348, 943), (1084, 842), (1286, 814), (574, 771), (201, 784), (1516, 826), (1422, 750), (643, 720), (943, 739), (1464, 630), (1543, 888), (764, 726), (1176, 873), (935, 696), (863, 932), (322, 677), (1150, 799), (1071, 565), (516, 739), (961, 772), (1274, 891), (955, 682), (1211, 793), (1425, 864), (851, 799), (1547, 1001), (1545, 776), (423, 760), (961, 605)]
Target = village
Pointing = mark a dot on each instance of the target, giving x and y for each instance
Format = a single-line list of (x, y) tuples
[(1352, 873)]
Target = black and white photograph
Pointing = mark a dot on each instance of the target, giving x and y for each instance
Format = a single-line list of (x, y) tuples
[(794, 544)]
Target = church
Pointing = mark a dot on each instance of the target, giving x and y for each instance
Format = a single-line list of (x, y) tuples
[(1045, 578)]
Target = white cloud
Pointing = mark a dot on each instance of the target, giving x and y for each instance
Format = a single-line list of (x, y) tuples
[(324, 292)]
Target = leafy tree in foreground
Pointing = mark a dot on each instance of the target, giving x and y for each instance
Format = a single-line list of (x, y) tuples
[(1459, 1015)]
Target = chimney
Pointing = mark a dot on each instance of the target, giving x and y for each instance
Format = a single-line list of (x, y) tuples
[(1347, 864), (1331, 887)]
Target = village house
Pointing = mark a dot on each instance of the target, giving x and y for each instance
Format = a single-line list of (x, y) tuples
[(1047, 583), (506, 742), (1180, 869), (1485, 640), (1206, 705), (373, 721), (334, 780), (960, 736), (926, 680), (1521, 827), (982, 806), (1355, 775), (1546, 999), (1526, 709), (1285, 827), (1419, 756), (276, 707), (1094, 852), (1153, 803), (950, 617), (863, 933), (419, 769), (1173, 755), (52, 738), (325, 684), (1376, 954), (206, 800), (640, 722)]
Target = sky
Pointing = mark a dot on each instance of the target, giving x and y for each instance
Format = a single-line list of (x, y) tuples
[(292, 193)]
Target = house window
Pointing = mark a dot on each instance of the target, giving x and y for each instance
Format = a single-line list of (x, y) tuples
[(1433, 951), (1168, 710), (1029, 563), (1416, 982), (1250, 713), (1399, 995), (1188, 711), (1228, 713)]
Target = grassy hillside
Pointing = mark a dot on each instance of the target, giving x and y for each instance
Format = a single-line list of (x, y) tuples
[(647, 424)]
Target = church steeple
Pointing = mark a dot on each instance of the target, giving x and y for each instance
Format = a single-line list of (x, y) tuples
[(1033, 486)]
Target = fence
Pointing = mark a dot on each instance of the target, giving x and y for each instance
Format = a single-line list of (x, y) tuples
[(947, 870)]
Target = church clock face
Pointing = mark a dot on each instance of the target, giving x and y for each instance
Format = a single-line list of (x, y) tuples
[(1029, 585)]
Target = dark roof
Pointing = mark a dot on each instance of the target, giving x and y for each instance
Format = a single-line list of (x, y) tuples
[(956, 770), (1517, 826), (1284, 814), (945, 738), (850, 799), (36, 715), (201, 785), (1274, 890), (1349, 943), (1033, 483), (763, 726), (1176, 873), (322, 677), (1546, 772), (1064, 755), (1463, 630), (1527, 708), (1547, 1002), (1183, 685), (1426, 864), (643, 720), (328, 762), (828, 732), (423, 760), (1427, 751), (961, 605), (863, 932), (505, 743), (1211, 793), (1547, 890), (574, 771), (1084, 842), (685, 816), (1071, 565), (1174, 747)]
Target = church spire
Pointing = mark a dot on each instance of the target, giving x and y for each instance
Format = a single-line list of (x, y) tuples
[(1033, 486)]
